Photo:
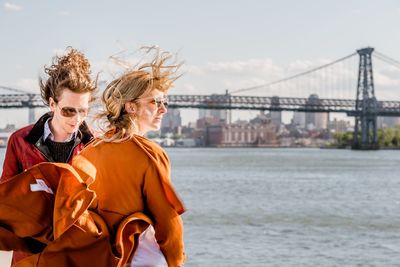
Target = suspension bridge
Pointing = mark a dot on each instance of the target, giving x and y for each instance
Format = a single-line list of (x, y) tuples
[(345, 85)]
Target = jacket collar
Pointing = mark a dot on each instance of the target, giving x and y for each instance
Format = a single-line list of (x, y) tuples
[(36, 133)]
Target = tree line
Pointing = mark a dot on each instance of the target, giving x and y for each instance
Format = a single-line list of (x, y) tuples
[(387, 138)]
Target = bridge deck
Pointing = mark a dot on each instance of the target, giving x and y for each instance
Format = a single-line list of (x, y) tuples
[(384, 108)]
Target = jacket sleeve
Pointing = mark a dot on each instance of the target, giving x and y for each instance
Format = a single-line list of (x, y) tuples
[(167, 222), (11, 164)]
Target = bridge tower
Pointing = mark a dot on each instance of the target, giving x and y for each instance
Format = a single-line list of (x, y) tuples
[(31, 108), (31, 116), (365, 128)]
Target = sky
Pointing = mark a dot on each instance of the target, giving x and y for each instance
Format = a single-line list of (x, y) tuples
[(225, 45)]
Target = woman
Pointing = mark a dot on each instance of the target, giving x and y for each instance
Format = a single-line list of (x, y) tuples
[(132, 172), (60, 134)]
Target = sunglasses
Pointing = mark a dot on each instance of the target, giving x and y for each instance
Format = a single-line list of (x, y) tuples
[(71, 112), (160, 100)]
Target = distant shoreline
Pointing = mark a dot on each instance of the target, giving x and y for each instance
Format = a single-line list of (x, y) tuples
[(278, 147)]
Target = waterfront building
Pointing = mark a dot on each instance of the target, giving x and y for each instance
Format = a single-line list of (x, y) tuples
[(338, 126), (241, 134)]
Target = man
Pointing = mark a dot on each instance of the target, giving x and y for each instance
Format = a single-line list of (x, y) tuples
[(60, 134)]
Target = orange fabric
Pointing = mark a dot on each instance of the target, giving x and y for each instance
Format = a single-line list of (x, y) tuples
[(69, 236), (22, 153), (134, 176), (161, 160), (128, 234)]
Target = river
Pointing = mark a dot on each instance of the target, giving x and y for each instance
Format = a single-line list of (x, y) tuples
[(288, 207)]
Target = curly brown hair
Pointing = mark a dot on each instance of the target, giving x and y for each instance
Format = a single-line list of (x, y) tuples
[(71, 71)]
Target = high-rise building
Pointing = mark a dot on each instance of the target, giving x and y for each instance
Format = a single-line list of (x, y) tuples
[(220, 114), (299, 119), (316, 120), (171, 121), (276, 117)]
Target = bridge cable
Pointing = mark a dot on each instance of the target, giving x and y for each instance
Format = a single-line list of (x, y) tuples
[(15, 90), (294, 76), (387, 59)]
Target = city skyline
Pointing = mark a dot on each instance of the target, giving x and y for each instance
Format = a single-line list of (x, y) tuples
[(225, 45)]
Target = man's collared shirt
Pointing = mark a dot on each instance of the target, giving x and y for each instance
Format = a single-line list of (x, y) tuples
[(48, 134)]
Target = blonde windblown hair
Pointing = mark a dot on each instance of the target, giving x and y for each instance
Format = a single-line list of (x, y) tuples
[(156, 74)]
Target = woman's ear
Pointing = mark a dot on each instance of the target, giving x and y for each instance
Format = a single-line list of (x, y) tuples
[(130, 108)]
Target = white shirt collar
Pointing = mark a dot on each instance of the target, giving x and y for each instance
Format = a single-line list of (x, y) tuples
[(48, 134)]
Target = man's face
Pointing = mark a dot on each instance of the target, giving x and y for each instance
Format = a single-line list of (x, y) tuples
[(69, 113)]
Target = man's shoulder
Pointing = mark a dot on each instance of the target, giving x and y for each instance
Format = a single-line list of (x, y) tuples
[(22, 132)]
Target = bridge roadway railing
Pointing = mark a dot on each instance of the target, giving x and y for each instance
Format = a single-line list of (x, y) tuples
[(21, 101), (384, 108)]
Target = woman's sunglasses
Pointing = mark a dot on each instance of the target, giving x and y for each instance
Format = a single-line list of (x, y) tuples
[(160, 100), (71, 112)]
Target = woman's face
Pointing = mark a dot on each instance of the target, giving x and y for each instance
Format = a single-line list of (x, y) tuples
[(150, 109)]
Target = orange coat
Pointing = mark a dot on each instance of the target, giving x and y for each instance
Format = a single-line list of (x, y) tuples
[(44, 210), (134, 176)]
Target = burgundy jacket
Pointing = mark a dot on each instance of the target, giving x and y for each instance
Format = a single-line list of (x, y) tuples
[(26, 147)]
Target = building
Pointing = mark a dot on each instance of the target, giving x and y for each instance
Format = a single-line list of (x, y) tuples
[(171, 122), (241, 134), (340, 126), (276, 117), (315, 120), (388, 122), (299, 119), (221, 115)]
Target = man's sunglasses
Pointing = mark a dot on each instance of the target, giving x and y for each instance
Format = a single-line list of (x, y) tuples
[(71, 112)]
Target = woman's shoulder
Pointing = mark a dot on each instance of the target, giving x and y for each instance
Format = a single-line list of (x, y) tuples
[(151, 148), (150, 144)]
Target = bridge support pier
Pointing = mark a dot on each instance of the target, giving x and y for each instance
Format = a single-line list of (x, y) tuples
[(365, 127), (31, 115)]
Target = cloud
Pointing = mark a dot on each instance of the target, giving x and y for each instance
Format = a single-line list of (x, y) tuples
[(298, 66), (217, 77), (64, 13), (186, 88), (58, 51), (28, 84), (251, 66), (381, 79), (335, 81), (338, 81), (12, 7)]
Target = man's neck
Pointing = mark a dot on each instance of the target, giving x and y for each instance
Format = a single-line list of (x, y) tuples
[(58, 134)]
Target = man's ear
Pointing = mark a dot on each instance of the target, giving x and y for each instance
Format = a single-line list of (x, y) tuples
[(130, 107), (52, 104)]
